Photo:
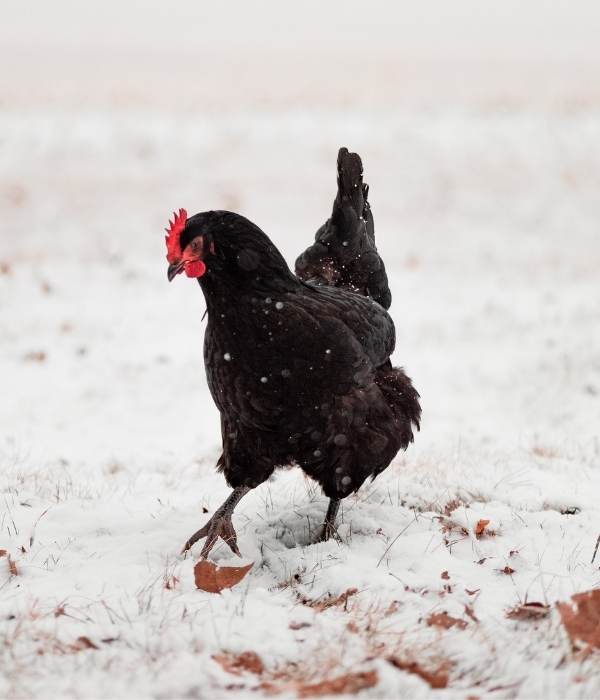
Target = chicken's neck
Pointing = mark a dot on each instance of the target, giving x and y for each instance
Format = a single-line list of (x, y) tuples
[(224, 292)]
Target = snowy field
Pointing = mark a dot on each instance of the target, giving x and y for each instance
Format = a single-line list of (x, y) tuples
[(489, 224), (488, 218)]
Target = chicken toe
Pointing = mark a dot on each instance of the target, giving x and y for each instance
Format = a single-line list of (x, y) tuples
[(219, 525)]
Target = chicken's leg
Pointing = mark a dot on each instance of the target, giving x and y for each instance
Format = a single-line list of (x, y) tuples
[(329, 529), (219, 525)]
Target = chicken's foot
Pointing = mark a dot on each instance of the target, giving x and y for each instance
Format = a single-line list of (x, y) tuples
[(219, 525), (329, 528)]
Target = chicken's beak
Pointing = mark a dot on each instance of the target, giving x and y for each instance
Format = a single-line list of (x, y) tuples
[(174, 269)]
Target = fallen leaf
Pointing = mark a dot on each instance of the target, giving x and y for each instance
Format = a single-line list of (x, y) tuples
[(546, 452), (582, 621), (508, 570), (299, 625), (213, 579), (392, 608), (469, 592), (469, 612), (330, 601), (436, 679), (3, 552), (12, 566), (448, 525), (239, 663), (82, 643), (452, 506), (445, 575), (170, 582), (35, 356), (446, 621), (480, 527), (528, 611), (348, 683)]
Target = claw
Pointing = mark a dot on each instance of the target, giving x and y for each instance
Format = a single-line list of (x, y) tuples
[(219, 525)]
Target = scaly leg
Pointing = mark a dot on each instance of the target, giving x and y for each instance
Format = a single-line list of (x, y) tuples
[(329, 529), (219, 525)]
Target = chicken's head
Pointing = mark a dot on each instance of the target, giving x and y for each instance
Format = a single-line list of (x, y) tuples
[(223, 246), (184, 253)]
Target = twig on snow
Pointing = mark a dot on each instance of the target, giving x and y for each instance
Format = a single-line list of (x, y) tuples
[(596, 549)]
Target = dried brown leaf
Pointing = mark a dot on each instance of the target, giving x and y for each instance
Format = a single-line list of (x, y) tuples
[(469, 612), (170, 582), (581, 617), (446, 621), (247, 661), (545, 452), (480, 527), (346, 684), (436, 679), (321, 604), (528, 611), (299, 625), (81, 644), (12, 566), (508, 570), (445, 575), (213, 579), (35, 356), (452, 505), (448, 525)]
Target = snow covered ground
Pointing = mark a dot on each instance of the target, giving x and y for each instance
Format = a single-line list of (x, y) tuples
[(489, 224), (488, 217)]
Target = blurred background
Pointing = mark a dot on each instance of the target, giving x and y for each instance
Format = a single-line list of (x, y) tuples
[(478, 126)]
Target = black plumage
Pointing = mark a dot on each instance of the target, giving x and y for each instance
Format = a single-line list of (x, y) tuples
[(344, 253), (300, 371)]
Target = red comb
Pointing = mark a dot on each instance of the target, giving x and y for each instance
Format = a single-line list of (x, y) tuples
[(173, 233)]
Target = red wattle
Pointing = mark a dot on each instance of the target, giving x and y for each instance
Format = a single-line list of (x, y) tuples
[(195, 268)]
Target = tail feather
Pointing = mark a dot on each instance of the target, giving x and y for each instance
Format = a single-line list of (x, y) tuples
[(402, 398), (344, 252), (350, 182)]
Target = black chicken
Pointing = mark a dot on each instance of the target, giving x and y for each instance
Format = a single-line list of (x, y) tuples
[(299, 370)]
